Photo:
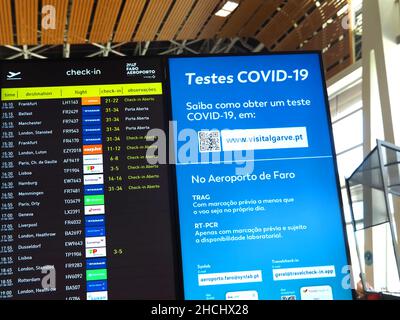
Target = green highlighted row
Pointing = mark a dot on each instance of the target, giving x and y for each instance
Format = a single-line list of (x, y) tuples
[(94, 200), (97, 274)]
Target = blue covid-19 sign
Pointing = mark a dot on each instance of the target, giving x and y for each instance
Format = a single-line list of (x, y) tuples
[(259, 207)]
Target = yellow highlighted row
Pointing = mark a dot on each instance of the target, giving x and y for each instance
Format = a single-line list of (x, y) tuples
[(63, 92)]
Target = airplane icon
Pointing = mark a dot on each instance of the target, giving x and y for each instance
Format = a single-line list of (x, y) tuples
[(13, 75)]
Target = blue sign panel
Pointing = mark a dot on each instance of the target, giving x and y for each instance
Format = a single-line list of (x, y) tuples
[(259, 206)]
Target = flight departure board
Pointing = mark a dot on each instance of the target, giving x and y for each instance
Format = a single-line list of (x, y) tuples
[(83, 213)]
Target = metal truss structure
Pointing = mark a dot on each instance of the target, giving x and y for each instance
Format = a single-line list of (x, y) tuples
[(228, 45)]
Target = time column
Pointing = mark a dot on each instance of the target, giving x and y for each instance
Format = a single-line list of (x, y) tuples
[(7, 217)]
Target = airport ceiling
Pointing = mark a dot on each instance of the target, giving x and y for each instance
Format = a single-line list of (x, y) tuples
[(126, 27)]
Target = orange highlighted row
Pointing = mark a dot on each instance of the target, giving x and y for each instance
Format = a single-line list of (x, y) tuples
[(91, 101), (93, 149)]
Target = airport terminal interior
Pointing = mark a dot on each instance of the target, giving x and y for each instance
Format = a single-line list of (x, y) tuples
[(200, 149)]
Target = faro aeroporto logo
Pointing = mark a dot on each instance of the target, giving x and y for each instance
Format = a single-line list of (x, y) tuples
[(133, 69)]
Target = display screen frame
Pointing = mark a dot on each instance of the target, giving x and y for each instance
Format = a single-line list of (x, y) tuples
[(330, 133)]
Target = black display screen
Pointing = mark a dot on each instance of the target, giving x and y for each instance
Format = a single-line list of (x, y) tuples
[(84, 215)]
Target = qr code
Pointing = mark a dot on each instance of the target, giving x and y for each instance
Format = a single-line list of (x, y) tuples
[(209, 141)]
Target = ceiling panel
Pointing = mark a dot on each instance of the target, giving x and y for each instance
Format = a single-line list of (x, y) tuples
[(336, 52), (260, 16), (212, 27), (325, 36), (55, 36), (104, 20), (198, 17), (329, 8), (79, 20), (283, 21), (6, 31), (290, 42), (280, 25), (27, 20), (153, 17), (239, 17), (339, 67), (313, 22), (129, 19), (313, 31), (175, 19), (304, 31)]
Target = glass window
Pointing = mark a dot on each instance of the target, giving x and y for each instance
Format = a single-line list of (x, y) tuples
[(347, 128), (353, 252), (348, 132), (357, 208), (348, 162)]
